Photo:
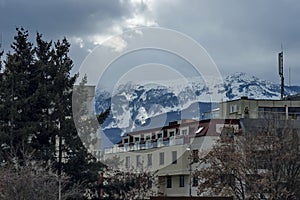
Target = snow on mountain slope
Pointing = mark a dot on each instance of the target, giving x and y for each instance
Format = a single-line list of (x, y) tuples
[(133, 104), (241, 84)]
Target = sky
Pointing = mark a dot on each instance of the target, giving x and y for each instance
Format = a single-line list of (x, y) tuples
[(239, 35)]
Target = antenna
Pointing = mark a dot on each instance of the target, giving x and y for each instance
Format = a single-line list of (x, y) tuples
[(0, 41), (280, 71), (0, 50)]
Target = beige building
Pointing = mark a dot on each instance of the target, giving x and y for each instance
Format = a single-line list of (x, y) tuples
[(171, 152), (260, 108)]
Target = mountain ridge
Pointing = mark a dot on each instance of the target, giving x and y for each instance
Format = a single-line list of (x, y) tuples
[(133, 104)]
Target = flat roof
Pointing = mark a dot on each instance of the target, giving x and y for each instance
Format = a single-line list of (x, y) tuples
[(277, 100)]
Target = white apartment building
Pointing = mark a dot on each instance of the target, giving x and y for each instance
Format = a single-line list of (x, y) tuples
[(171, 152)]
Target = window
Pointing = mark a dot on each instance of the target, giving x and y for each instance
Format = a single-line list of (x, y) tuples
[(125, 140), (172, 133), (148, 137), (233, 108), (195, 180), (174, 157), (149, 156), (127, 162), (169, 181), (195, 155), (181, 181), (138, 161), (161, 158), (149, 182), (184, 132), (137, 139), (159, 135), (294, 112)]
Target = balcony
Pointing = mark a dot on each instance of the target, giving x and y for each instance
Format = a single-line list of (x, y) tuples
[(149, 144)]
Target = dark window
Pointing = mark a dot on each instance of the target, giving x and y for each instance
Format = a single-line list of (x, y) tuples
[(165, 133), (127, 162), (159, 135), (149, 156), (138, 161), (169, 181), (174, 157), (172, 133), (181, 181), (272, 112), (184, 132), (161, 158), (195, 155), (195, 180), (149, 182), (294, 112), (148, 137)]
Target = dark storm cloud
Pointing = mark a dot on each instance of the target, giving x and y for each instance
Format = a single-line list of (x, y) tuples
[(58, 18), (67, 16), (240, 35)]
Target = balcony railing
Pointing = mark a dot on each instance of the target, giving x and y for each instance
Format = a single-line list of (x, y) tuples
[(149, 144)]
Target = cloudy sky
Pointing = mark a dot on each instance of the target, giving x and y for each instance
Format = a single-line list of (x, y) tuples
[(239, 35)]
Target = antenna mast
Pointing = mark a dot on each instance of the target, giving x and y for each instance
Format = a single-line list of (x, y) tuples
[(0, 51), (280, 71), (0, 41)]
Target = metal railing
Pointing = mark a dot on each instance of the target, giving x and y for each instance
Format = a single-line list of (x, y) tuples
[(171, 141)]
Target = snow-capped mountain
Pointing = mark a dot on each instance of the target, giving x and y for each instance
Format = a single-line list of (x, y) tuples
[(241, 84), (134, 104)]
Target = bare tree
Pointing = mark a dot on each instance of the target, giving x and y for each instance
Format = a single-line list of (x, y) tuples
[(29, 179), (263, 162), (128, 184)]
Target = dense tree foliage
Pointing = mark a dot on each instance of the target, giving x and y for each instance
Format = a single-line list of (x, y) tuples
[(36, 109), (44, 116)]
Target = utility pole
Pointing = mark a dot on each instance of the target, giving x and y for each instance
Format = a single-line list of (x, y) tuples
[(189, 150), (191, 177), (59, 160)]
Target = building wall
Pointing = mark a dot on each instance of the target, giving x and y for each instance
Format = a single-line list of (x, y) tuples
[(196, 142), (250, 108), (176, 190), (181, 167)]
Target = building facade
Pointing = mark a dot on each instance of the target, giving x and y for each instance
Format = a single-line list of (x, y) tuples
[(260, 108), (171, 152)]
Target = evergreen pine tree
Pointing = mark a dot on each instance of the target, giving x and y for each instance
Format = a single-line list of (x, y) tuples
[(16, 93), (36, 109)]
